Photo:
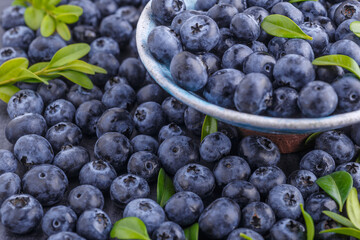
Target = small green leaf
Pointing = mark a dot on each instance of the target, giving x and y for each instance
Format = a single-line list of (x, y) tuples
[(310, 229), (21, 3), (337, 185), (281, 26), (311, 139), (68, 18), (53, 2), (165, 188), (47, 26), (38, 66), (209, 126), (33, 17), (355, 28), (352, 232), (63, 30), (244, 236), (68, 9), (6, 92), (68, 54), (129, 228), (339, 218), (84, 67), (26, 74), (353, 208), (339, 60), (192, 232), (296, 1), (12, 64), (78, 78)]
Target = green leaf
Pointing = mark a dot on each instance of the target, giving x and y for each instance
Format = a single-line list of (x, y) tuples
[(33, 17), (310, 229), (311, 139), (244, 236), (84, 67), (68, 18), (165, 188), (296, 1), (38, 66), (353, 208), (209, 126), (47, 26), (68, 9), (339, 60), (37, 3), (78, 78), (355, 28), (63, 30), (281, 26), (129, 228), (344, 231), (192, 232), (53, 2), (339, 218), (27, 74), (6, 92), (68, 54), (19, 3), (337, 185), (12, 64)]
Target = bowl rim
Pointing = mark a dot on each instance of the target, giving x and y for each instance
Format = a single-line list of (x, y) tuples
[(259, 123)]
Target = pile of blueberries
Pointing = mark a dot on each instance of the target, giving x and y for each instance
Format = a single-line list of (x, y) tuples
[(229, 184), (220, 51)]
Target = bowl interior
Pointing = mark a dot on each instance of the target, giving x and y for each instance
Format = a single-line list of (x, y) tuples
[(162, 76)]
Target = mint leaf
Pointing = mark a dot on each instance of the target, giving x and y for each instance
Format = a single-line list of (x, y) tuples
[(281, 26), (21, 3), (339, 60), (192, 232), (63, 30), (165, 188), (337, 185), (68, 18), (353, 208), (129, 228), (12, 64), (47, 26), (355, 28), (209, 126), (6, 92), (68, 54), (310, 229), (339, 218), (311, 139), (38, 66), (78, 78), (68, 9), (352, 232), (33, 17)]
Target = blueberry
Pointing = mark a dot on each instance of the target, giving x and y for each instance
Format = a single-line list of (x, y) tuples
[(304, 181), (267, 4), (288, 228), (212, 62), (265, 178), (12, 16), (149, 118), (347, 10), (316, 203), (221, 86), (107, 61), (284, 103), (184, 208), (63, 133), (165, 10), (288, 10), (91, 14), (164, 44), (257, 46), (114, 148), (355, 133), (117, 28), (116, 80), (235, 235), (146, 210), (144, 164), (259, 62), (276, 47), (168, 230), (242, 192), (174, 110), (222, 13), (71, 159), (29, 123), (329, 74), (88, 114), (317, 99), (319, 162), (56, 89), (326, 225), (223, 213), (299, 47), (8, 162), (97, 173), (193, 120), (258, 216), (240, 5), (10, 184), (353, 168), (47, 183), (129, 2), (181, 18), (337, 144), (204, 5), (65, 235), (320, 38), (188, 71), (195, 178), (311, 10), (106, 45), (129, 13), (134, 71), (226, 41), (84, 197), (176, 152), (84, 33), (343, 29), (259, 151), (231, 168), (214, 146), (33, 150), (115, 120), (346, 47), (78, 95), (293, 71), (58, 219), (21, 213), (18, 37), (232, 133), (121, 95), (24, 101), (42, 49), (235, 56), (348, 90), (94, 224), (145, 143), (58, 111), (328, 25), (245, 27), (8, 53), (151, 93), (169, 131), (106, 7), (259, 14)]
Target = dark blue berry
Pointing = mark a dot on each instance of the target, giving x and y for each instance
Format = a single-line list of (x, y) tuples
[(129, 13), (87, 116), (107, 61), (42, 49), (316, 203), (145, 143), (106, 45), (258, 216), (284, 103), (353, 168), (8, 162), (94, 224), (149, 118), (222, 14), (59, 111), (319, 162), (133, 71), (97, 173), (214, 146), (299, 47), (242, 192), (165, 10), (174, 110), (84, 197), (8, 53), (120, 95), (151, 93), (168, 230), (266, 178), (91, 14), (288, 228), (305, 181), (193, 120), (12, 16), (63, 133), (78, 95), (58, 219), (245, 27), (56, 89), (235, 56), (18, 37), (289, 10), (348, 90), (231, 168), (10, 184), (24, 101), (144, 164), (346, 47), (320, 38), (117, 28), (259, 62), (169, 131)]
